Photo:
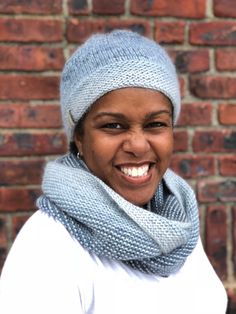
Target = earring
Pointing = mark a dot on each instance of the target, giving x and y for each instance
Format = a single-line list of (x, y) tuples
[(78, 155)]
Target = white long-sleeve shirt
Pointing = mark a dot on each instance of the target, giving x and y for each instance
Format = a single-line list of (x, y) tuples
[(49, 272)]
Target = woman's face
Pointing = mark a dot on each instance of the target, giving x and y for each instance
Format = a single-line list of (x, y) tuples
[(127, 141)]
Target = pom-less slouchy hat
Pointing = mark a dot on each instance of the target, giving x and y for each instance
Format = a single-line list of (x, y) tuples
[(106, 62)]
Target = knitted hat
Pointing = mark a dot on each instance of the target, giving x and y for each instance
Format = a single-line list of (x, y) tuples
[(107, 62)]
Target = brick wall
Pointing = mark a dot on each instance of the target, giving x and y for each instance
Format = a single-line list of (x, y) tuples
[(36, 37)]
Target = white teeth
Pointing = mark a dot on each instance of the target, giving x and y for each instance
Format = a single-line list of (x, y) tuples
[(135, 171)]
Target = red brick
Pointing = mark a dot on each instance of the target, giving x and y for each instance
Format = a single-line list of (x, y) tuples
[(26, 87), (234, 242), (169, 32), (3, 232), (17, 223), (226, 59), (195, 114), (213, 33), (108, 7), (216, 191), (227, 165), (180, 141), (224, 8), (182, 86), (18, 199), (227, 114), (181, 8), (30, 116), (28, 144), (31, 58), (13, 172), (30, 30), (214, 141), (193, 166), (216, 238), (190, 61), (213, 86), (29, 6), (78, 7), (79, 30)]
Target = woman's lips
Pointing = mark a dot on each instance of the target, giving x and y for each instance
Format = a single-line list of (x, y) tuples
[(136, 174)]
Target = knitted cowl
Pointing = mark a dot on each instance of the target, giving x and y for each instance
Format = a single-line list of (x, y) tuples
[(156, 241)]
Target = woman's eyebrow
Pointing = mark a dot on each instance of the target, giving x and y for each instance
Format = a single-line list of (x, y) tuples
[(153, 114), (110, 114)]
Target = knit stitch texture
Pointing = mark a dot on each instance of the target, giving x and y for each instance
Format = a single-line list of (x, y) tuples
[(107, 62), (156, 241)]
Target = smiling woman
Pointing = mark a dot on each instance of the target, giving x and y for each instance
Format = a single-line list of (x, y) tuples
[(116, 231)]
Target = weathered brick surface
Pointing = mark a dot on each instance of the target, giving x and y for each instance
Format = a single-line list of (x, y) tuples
[(79, 7), (190, 61), (36, 36), (180, 141), (108, 7), (181, 8), (213, 86), (195, 114), (78, 31), (18, 199), (227, 165), (30, 58), (224, 8), (28, 144), (216, 238), (192, 166), (21, 172), (217, 191), (29, 6), (26, 87), (214, 141), (227, 114), (169, 32), (23, 115), (226, 59), (213, 33), (30, 30)]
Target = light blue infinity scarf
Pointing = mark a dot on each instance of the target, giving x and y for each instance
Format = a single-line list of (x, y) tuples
[(156, 241)]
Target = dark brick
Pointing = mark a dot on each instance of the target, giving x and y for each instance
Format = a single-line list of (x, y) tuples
[(108, 7), (180, 141), (216, 238), (217, 191), (29, 144), (191, 61), (193, 166), (31, 6), (173, 8), (213, 86), (18, 199), (213, 33), (224, 8), (214, 141), (17, 223), (14, 172), (78, 7), (169, 32), (195, 114)]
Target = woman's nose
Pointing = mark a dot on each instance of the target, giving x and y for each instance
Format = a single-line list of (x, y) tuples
[(136, 143)]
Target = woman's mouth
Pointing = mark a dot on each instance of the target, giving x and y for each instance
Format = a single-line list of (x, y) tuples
[(134, 172)]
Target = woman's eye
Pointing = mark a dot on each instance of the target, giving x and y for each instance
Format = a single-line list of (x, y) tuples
[(112, 125), (155, 124)]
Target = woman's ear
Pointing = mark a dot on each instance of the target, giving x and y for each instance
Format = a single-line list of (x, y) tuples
[(79, 143)]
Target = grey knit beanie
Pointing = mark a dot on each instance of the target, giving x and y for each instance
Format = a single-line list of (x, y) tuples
[(106, 62)]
